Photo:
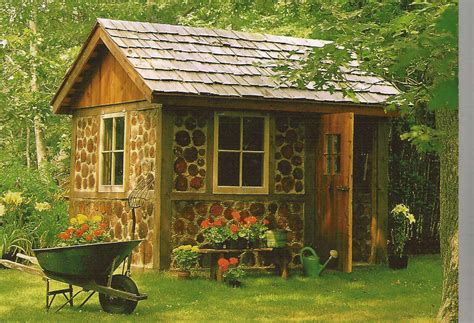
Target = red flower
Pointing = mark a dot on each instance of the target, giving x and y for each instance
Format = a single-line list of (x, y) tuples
[(235, 215), (250, 220), (98, 232), (89, 237), (84, 227), (79, 233), (205, 224), (64, 236), (222, 262), (103, 225), (234, 228), (233, 261), (265, 222), (218, 223), (70, 230)]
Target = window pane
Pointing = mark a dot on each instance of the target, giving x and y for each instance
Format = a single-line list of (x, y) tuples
[(108, 134), (106, 168), (337, 144), (328, 164), (118, 173), (253, 134), (337, 164), (229, 168), (328, 146), (119, 133), (229, 133), (252, 169)]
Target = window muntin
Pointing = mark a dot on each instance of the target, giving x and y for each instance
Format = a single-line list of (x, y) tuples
[(241, 153), (112, 152), (332, 154)]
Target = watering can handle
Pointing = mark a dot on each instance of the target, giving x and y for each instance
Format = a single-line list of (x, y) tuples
[(311, 250)]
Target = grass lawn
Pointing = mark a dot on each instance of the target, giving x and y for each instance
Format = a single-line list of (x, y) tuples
[(373, 293)]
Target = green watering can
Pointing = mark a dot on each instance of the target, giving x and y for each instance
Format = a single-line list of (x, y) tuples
[(311, 265)]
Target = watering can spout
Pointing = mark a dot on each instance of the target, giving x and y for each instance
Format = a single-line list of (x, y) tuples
[(311, 265)]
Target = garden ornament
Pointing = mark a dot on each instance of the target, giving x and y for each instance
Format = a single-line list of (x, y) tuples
[(311, 265)]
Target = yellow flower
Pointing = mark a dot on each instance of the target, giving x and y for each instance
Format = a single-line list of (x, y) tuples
[(195, 249), (411, 218), (73, 221), (2, 210), (186, 247), (44, 206), (13, 198), (96, 218), (81, 218)]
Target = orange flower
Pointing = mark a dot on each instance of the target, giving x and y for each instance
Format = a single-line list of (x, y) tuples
[(233, 261), (98, 232), (79, 233), (89, 237), (84, 227), (63, 236), (250, 220), (265, 222), (235, 215), (103, 225), (218, 223), (70, 230), (234, 228), (205, 224), (222, 262)]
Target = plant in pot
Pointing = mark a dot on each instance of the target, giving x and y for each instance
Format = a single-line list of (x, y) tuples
[(258, 229), (277, 238), (232, 272), (185, 258), (402, 222), (216, 233)]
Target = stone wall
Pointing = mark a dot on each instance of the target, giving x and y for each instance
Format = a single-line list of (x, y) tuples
[(86, 153), (119, 217), (143, 132), (189, 148), (289, 155), (188, 215)]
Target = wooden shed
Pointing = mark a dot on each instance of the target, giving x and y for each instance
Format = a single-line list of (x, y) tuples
[(199, 110)]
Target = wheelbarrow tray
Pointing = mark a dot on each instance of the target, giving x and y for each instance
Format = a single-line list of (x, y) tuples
[(88, 262)]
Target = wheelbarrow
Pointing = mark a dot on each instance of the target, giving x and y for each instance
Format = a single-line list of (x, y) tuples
[(91, 267)]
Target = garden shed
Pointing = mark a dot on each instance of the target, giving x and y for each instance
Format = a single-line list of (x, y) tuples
[(199, 111)]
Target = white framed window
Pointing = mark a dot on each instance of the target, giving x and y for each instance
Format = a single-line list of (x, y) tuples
[(112, 153), (241, 153)]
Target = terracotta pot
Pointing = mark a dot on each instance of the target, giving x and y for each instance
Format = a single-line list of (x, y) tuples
[(183, 275), (240, 243), (396, 262)]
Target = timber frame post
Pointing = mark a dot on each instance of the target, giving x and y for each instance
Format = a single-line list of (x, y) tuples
[(382, 152)]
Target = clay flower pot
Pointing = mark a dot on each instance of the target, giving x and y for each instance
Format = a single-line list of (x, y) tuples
[(183, 275)]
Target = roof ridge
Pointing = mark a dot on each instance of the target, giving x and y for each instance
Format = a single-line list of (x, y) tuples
[(226, 33)]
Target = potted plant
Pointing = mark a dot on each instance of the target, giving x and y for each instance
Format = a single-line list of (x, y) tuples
[(402, 222), (232, 272), (257, 231), (237, 238), (278, 238), (215, 232), (185, 258)]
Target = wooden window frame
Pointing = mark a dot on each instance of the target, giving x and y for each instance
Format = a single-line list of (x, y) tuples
[(266, 155), (112, 188)]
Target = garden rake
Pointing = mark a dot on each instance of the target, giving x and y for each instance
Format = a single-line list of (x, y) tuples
[(137, 198)]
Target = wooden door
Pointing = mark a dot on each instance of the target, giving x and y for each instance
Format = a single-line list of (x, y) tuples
[(334, 188)]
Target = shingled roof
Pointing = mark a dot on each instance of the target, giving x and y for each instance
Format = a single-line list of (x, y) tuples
[(186, 60)]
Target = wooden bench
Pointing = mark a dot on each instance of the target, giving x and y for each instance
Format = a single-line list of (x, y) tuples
[(279, 255)]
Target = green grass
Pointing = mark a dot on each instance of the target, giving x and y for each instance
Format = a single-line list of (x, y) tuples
[(373, 293)]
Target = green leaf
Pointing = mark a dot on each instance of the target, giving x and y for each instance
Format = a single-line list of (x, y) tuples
[(445, 95)]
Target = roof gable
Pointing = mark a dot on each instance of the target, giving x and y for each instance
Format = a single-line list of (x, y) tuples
[(174, 60)]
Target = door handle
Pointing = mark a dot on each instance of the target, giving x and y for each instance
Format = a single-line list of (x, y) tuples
[(342, 188)]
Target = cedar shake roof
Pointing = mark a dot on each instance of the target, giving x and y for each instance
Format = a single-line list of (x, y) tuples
[(181, 60)]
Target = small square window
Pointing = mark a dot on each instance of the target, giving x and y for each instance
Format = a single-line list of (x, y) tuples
[(241, 153)]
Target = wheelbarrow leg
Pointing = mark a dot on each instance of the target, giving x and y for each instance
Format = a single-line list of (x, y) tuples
[(71, 301)]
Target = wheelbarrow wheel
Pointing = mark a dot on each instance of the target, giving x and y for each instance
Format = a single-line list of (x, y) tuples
[(119, 305)]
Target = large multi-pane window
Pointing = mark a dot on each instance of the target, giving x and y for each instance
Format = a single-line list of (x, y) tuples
[(241, 146), (112, 152)]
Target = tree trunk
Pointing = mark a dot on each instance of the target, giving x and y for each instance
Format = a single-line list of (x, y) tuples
[(27, 150), (39, 141), (447, 123)]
